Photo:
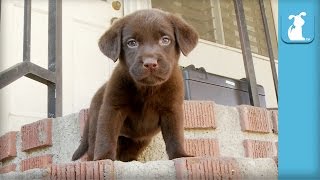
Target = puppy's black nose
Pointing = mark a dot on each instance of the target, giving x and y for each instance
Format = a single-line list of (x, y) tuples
[(150, 63)]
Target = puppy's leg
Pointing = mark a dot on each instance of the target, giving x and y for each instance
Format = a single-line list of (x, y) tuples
[(109, 124), (129, 149), (92, 132), (92, 120), (172, 132)]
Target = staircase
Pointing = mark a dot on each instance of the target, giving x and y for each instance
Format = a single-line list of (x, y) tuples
[(228, 142)]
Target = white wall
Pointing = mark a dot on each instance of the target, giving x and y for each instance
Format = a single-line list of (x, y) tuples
[(84, 67)]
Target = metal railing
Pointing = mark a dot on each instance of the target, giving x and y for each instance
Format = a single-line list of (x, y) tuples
[(52, 77), (269, 46), (0, 12), (247, 54)]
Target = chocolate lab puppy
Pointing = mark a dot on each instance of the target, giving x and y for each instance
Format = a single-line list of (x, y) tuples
[(145, 92)]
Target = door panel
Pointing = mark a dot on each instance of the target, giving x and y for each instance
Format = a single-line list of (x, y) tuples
[(86, 67)]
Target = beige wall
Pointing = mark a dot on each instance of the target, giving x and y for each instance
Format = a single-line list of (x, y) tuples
[(274, 5), (84, 67)]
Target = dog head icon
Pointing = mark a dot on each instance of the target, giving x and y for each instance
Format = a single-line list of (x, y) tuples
[(295, 30)]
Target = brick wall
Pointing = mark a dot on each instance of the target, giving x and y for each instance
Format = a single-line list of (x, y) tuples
[(216, 134)]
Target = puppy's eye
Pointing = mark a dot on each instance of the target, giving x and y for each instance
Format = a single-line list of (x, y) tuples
[(164, 41), (132, 43)]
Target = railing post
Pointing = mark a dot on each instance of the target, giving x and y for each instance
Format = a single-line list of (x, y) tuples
[(0, 12), (55, 57), (246, 53), (269, 45), (52, 77), (26, 30)]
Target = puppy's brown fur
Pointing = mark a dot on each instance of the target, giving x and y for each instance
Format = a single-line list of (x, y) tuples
[(145, 92)]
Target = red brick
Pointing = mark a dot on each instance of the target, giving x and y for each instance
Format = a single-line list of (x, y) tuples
[(83, 170), (77, 169), (199, 114), (96, 168), (89, 170), (92, 170), (37, 134), (254, 119), (61, 171), (259, 149), (71, 171), (8, 145), (53, 172), (274, 120), (207, 168), (202, 147), (36, 162), (83, 118), (8, 168)]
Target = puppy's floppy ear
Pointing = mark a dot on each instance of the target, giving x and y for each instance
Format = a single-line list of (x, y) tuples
[(303, 14), (186, 36), (110, 41)]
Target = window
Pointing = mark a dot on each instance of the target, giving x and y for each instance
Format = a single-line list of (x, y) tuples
[(215, 21)]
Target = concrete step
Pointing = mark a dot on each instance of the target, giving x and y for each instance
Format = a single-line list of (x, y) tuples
[(212, 133), (182, 168)]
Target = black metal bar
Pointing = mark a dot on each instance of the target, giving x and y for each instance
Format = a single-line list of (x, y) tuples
[(55, 57), (0, 12), (269, 45), (27, 30), (51, 101), (246, 53), (40, 74), (27, 69), (51, 57), (59, 58), (270, 109), (13, 73)]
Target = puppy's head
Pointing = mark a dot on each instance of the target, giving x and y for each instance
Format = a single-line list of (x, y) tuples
[(148, 43)]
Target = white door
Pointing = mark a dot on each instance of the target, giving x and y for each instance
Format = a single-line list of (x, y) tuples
[(85, 68)]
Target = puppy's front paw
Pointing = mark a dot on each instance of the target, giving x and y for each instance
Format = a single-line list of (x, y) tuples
[(99, 155)]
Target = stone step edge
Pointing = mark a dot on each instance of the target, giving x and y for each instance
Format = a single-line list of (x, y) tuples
[(181, 168)]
